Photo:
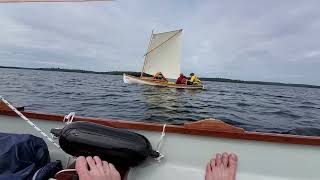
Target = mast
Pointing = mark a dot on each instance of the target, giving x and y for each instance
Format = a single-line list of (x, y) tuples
[(144, 62)]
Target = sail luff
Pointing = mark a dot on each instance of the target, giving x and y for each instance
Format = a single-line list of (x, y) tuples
[(145, 57)]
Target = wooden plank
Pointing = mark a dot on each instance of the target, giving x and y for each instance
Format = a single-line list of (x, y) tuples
[(213, 124), (185, 129), (3, 106)]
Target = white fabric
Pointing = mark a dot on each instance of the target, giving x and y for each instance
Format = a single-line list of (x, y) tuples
[(164, 54)]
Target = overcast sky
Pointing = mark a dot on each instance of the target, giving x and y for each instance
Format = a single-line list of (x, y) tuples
[(266, 40)]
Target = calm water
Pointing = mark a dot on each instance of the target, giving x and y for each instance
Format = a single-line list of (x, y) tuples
[(263, 108)]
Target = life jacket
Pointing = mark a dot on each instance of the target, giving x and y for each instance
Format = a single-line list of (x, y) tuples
[(181, 80), (195, 79)]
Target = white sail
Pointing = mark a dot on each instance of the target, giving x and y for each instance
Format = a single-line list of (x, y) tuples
[(163, 54)]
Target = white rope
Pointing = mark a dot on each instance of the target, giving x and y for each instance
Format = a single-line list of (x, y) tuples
[(29, 122), (160, 143), (69, 118)]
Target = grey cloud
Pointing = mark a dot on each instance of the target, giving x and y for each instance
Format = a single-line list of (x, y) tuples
[(252, 40)]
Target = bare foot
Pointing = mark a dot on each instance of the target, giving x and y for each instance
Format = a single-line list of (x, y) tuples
[(222, 167), (99, 170)]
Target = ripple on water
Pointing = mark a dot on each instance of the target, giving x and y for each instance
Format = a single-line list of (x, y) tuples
[(242, 104), (308, 103), (282, 113), (307, 131), (253, 107)]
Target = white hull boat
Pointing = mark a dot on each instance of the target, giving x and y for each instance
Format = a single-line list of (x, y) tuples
[(163, 55), (150, 81), (187, 148)]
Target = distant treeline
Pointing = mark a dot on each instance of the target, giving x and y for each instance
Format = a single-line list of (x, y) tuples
[(138, 74), (75, 70), (258, 82)]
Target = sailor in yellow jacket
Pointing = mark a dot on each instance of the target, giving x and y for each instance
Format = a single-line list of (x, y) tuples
[(193, 79)]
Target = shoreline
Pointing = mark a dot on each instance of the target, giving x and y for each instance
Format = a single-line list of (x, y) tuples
[(138, 74)]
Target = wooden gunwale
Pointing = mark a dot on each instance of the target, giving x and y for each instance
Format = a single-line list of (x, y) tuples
[(180, 129)]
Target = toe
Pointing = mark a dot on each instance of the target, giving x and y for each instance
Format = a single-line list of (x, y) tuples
[(81, 166), (114, 172), (105, 165), (99, 164), (91, 162), (233, 161), (218, 159), (208, 175), (225, 159), (97, 160), (213, 163), (208, 168)]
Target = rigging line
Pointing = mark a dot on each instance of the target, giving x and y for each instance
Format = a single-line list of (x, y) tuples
[(160, 143), (29, 122)]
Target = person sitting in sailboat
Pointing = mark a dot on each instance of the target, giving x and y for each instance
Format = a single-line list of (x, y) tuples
[(193, 80), (181, 79), (159, 76)]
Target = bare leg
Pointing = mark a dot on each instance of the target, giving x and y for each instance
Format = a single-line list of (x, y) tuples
[(99, 170), (222, 167)]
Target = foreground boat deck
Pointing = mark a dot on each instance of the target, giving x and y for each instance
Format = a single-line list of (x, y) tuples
[(187, 155)]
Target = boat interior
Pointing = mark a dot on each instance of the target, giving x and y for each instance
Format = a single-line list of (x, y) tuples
[(189, 147)]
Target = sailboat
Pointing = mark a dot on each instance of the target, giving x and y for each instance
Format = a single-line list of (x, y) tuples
[(163, 55)]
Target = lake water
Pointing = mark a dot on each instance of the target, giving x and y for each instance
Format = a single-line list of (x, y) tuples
[(264, 108)]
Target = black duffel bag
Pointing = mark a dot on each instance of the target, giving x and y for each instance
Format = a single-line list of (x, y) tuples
[(117, 146)]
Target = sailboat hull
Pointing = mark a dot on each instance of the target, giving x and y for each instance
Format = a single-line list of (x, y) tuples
[(150, 81)]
